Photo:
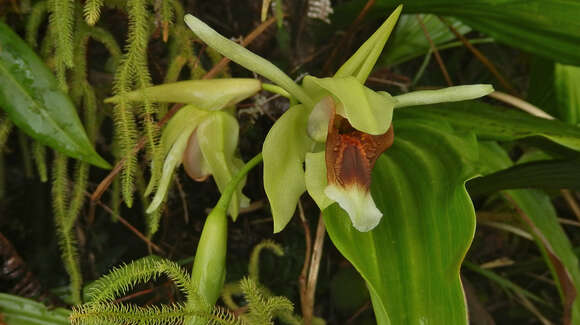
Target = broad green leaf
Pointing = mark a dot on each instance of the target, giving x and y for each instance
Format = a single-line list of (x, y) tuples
[(546, 174), (21, 311), (218, 140), (284, 152), (366, 110), (567, 84), (408, 40), (211, 94), (30, 95), (411, 260), (545, 27), (498, 123), (539, 214)]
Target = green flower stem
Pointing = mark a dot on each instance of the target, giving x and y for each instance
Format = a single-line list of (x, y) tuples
[(210, 258), (276, 90), (246, 58), (449, 94)]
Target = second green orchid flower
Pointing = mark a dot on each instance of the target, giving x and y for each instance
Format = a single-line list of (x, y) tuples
[(202, 135), (338, 131)]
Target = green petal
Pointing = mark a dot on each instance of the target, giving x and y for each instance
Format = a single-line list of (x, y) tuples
[(245, 58), (187, 118), (363, 61), (365, 109), (315, 177), (206, 94), (449, 94), (284, 152), (184, 121), (173, 159), (218, 139)]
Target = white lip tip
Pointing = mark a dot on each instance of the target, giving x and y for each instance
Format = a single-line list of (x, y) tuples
[(358, 204)]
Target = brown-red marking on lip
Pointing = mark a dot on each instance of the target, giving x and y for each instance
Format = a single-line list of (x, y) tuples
[(351, 154)]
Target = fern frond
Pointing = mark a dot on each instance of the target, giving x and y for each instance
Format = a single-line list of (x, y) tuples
[(108, 313), (65, 226), (254, 267), (164, 10), (125, 135), (39, 155), (5, 128), (61, 22), (92, 11), (81, 179), (133, 68), (104, 37), (37, 14), (122, 279), (228, 292), (263, 309)]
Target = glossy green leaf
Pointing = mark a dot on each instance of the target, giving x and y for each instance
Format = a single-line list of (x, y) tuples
[(218, 140), (539, 214), (211, 94), (408, 40), (411, 260), (567, 84), (284, 152), (30, 95), (21, 311), (545, 27), (498, 123), (546, 174)]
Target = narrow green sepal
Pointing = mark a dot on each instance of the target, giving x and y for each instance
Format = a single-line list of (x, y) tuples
[(212, 94), (362, 62)]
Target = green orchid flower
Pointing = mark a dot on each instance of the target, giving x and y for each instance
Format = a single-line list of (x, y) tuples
[(328, 143), (203, 135)]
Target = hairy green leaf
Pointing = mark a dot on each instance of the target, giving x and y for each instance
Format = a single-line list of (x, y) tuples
[(30, 95), (411, 260), (498, 123)]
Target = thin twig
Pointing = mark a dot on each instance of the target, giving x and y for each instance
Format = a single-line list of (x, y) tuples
[(490, 66), (128, 225), (314, 267), (358, 312), (521, 104), (245, 42), (435, 52), (304, 273), (571, 201), (183, 198)]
